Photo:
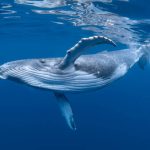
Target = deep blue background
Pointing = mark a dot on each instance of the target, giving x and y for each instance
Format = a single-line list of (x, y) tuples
[(114, 118)]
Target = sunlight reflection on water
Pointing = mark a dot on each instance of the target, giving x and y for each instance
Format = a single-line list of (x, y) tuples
[(91, 15)]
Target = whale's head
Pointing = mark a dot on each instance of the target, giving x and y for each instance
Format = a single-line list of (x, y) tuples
[(41, 73), (28, 67)]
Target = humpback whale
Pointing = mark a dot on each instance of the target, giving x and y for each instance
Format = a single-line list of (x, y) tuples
[(75, 72)]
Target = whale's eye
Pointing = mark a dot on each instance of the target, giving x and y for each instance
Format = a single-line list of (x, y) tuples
[(76, 66), (42, 61)]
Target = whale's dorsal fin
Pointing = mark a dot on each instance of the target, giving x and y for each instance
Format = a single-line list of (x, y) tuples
[(75, 51)]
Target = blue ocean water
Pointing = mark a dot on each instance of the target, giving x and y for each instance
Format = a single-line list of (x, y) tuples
[(114, 118)]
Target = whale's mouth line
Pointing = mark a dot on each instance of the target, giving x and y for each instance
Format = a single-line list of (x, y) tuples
[(2, 77)]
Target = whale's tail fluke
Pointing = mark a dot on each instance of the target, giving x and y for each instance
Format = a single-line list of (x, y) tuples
[(145, 57)]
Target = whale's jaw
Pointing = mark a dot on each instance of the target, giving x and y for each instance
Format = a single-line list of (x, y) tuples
[(2, 76)]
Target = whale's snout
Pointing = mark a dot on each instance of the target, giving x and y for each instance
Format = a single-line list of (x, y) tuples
[(2, 72)]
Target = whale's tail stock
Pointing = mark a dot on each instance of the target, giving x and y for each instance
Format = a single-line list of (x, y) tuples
[(145, 56)]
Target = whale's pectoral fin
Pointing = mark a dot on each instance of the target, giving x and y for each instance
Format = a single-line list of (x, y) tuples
[(65, 109), (75, 51)]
